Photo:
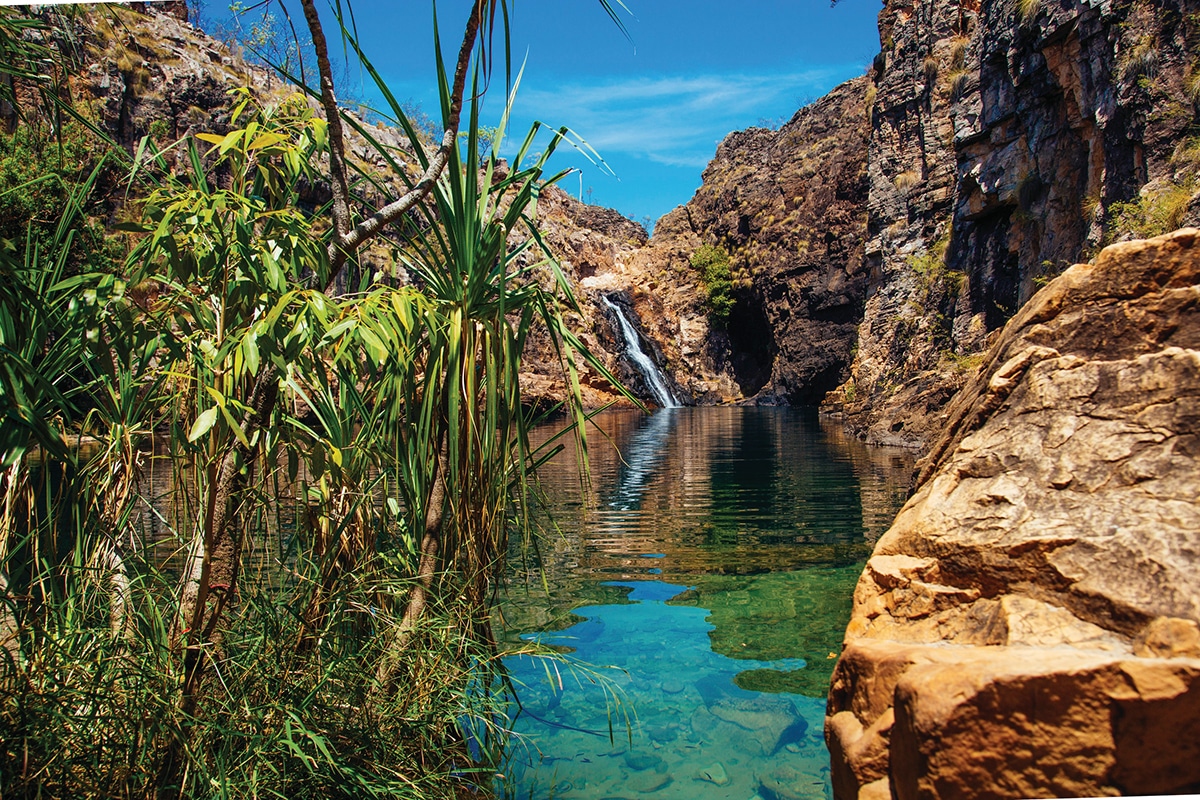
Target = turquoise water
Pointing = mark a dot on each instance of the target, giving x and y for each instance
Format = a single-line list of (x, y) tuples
[(696, 590)]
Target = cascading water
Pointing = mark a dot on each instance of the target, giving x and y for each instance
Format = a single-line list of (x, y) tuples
[(645, 364)]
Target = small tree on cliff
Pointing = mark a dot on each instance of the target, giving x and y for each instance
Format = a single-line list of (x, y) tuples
[(712, 262)]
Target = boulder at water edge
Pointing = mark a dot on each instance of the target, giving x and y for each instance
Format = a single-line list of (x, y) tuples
[(1028, 627)]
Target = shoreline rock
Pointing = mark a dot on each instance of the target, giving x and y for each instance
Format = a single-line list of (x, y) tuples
[(1030, 625)]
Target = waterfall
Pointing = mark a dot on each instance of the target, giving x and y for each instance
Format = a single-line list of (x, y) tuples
[(645, 364)]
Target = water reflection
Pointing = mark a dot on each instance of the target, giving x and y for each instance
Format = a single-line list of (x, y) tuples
[(642, 455), (711, 559), (716, 491)]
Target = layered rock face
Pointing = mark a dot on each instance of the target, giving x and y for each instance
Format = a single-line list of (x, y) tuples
[(1005, 138), (991, 145), (789, 208), (1030, 625), (588, 241), (152, 73)]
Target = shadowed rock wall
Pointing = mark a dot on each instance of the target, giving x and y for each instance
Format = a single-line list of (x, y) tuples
[(1004, 138), (883, 236), (789, 207)]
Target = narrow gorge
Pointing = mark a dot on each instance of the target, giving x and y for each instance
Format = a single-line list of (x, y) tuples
[(983, 255), (900, 254), (880, 239)]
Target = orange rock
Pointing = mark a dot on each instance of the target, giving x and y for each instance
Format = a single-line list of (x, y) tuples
[(1030, 625)]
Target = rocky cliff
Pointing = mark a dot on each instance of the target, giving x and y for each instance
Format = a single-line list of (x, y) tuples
[(881, 238), (1007, 141), (148, 72), (877, 241), (1028, 627), (588, 240), (788, 206)]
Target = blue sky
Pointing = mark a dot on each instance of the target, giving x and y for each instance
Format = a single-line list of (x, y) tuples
[(654, 107)]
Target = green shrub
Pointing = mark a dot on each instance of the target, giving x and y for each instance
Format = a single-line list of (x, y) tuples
[(38, 172), (717, 278), (961, 363), (158, 129), (35, 171), (1191, 85), (932, 270)]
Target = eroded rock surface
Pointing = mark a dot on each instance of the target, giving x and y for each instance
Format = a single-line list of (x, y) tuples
[(882, 238), (1030, 625), (1008, 141)]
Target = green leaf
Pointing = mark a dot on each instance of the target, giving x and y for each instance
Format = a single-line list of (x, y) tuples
[(374, 346), (203, 424), (266, 140), (250, 352), (230, 141), (217, 397), (235, 427)]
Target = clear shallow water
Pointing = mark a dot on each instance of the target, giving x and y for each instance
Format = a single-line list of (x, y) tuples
[(699, 587)]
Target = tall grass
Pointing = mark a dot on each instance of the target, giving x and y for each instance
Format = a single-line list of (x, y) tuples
[(346, 472)]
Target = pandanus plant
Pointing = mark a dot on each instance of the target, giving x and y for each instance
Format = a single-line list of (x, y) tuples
[(393, 416)]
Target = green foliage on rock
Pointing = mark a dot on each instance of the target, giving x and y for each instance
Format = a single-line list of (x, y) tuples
[(716, 276), (1150, 214), (933, 273), (40, 171)]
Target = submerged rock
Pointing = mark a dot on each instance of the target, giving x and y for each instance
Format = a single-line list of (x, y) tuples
[(1029, 624), (644, 761), (760, 724), (715, 774), (647, 782), (789, 783)]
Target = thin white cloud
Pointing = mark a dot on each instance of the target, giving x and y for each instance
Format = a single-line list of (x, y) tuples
[(674, 120)]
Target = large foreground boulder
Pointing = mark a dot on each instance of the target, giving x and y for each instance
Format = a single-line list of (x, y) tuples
[(1029, 625)]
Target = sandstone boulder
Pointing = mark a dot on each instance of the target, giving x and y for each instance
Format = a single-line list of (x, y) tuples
[(1028, 627)]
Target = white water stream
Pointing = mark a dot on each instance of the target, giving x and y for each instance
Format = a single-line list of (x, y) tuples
[(645, 364)]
